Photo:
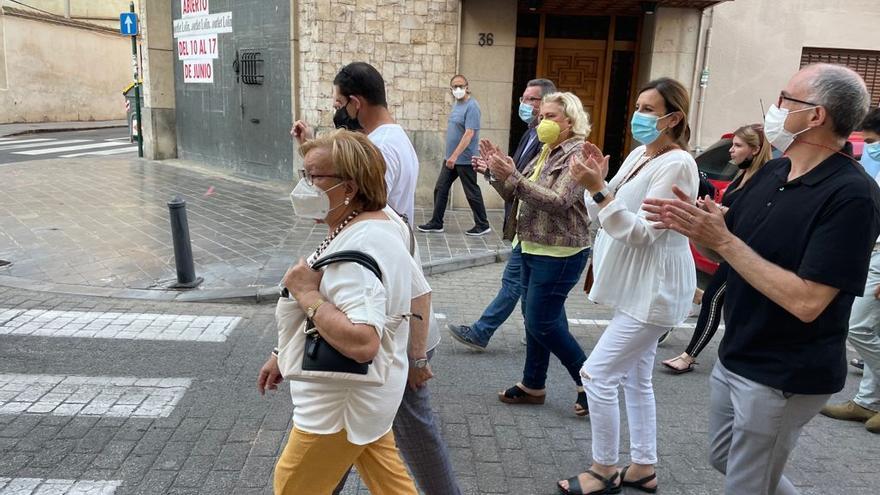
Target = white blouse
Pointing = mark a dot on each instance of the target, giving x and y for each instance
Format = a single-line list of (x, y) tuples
[(364, 412), (644, 272)]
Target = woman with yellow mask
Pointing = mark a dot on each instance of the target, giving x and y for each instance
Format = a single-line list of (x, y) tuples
[(548, 225)]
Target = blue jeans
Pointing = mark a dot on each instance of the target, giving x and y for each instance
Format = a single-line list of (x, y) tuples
[(546, 282), (499, 310)]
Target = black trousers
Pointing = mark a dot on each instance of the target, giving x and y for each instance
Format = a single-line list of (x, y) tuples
[(710, 311), (471, 191)]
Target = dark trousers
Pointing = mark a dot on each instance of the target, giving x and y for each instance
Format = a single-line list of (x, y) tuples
[(546, 282), (471, 191), (710, 312)]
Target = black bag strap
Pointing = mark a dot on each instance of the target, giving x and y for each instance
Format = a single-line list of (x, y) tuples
[(358, 257)]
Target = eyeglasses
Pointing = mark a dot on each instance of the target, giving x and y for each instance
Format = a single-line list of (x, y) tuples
[(783, 96), (459, 86), (531, 99), (310, 179)]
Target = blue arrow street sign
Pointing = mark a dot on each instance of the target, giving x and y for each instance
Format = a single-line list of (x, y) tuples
[(128, 23)]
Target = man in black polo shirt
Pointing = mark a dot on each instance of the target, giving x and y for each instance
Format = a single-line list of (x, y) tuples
[(798, 241)]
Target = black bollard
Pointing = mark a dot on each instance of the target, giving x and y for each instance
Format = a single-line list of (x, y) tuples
[(183, 258)]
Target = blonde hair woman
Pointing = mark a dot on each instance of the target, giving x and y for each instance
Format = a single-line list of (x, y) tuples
[(749, 151), (336, 425), (548, 226)]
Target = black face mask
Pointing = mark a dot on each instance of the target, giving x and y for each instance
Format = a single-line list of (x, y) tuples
[(745, 164), (342, 120)]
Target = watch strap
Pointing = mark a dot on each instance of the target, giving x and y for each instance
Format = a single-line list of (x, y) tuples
[(312, 309)]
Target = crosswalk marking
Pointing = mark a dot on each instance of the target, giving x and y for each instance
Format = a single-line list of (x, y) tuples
[(110, 325), (590, 321), (42, 486), (65, 148), (115, 151), (105, 396), (22, 141), (43, 142)]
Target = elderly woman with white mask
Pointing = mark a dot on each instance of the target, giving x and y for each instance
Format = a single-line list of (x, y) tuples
[(340, 423)]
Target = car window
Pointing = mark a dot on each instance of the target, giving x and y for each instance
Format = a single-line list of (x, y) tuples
[(715, 161)]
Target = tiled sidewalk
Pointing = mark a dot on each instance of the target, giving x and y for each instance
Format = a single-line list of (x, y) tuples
[(105, 223)]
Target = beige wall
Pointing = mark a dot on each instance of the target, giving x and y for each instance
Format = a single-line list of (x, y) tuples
[(756, 47), (61, 73), (413, 43), (157, 51), (672, 37), (489, 70)]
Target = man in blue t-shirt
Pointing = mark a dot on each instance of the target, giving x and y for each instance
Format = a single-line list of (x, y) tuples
[(462, 139)]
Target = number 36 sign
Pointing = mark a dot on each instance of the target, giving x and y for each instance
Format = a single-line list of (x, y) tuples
[(486, 39)]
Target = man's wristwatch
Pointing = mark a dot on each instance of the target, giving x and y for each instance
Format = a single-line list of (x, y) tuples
[(311, 310), (601, 195), (420, 363)]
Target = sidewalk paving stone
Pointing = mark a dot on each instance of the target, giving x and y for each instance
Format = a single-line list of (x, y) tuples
[(104, 224)]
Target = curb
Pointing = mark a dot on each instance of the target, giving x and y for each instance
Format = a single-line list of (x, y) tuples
[(246, 295), (63, 129)]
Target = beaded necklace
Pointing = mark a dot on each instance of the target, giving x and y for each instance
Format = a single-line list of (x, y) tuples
[(327, 240)]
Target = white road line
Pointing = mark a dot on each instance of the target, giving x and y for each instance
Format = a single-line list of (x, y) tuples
[(22, 141), (604, 323), (51, 142), (65, 148), (105, 396), (130, 326), (127, 149), (571, 321), (42, 486), (119, 139)]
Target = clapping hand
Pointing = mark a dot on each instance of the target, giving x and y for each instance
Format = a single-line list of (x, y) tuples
[(704, 224), (590, 168), (301, 132)]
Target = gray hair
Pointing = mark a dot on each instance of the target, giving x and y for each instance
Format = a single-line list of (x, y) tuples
[(546, 86), (843, 94)]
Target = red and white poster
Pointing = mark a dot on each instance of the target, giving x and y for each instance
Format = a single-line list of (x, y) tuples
[(193, 47), (198, 71), (193, 8)]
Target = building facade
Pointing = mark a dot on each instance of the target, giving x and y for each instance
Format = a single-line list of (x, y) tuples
[(63, 60), (270, 62)]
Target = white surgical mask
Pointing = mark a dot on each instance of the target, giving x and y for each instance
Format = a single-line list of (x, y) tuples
[(458, 93), (310, 201), (774, 127)]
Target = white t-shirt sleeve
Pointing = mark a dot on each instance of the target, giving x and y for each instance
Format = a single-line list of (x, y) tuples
[(392, 168), (634, 228), (357, 292)]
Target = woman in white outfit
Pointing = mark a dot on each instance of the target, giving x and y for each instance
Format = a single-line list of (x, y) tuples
[(646, 274), (335, 423)]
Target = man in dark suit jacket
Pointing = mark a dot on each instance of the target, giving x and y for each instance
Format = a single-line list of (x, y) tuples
[(478, 334)]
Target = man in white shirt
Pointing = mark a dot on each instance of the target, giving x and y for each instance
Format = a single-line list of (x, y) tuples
[(360, 103), (359, 100)]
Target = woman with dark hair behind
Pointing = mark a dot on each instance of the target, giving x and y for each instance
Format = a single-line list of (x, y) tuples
[(749, 151)]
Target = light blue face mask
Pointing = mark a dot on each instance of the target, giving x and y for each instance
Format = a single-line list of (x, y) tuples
[(644, 127), (526, 112), (873, 150)]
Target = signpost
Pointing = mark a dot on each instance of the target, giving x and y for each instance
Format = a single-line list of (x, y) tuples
[(128, 26)]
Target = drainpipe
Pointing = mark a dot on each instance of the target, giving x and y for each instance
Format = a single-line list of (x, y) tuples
[(704, 82), (698, 59), (67, 9)]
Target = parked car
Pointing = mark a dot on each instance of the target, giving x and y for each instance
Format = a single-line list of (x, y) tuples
[(715, 163)]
